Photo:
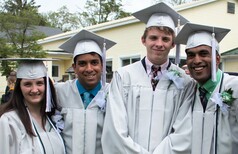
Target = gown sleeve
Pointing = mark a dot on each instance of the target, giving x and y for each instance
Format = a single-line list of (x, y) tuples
[(231, 82), (115, 138), (180, 139), (9, 133)]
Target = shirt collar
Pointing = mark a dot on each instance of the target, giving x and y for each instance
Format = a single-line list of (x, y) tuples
[(149, 65), (94, 91), (210, 85)]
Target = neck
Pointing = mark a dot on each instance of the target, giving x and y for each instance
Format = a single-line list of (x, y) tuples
[(35, 113), (34, 109)]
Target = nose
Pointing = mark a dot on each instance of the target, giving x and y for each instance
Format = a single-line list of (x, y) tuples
[(159, 42), (197, 59), (34, 89), (89, 68)]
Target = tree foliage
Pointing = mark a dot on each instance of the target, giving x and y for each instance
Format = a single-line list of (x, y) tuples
[(93, 14), (63, 19), (173, 2), (101, 11), (18, 36)]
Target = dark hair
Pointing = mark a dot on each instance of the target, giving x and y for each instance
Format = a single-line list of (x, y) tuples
[(17, 103), (13, 73), (167, 31), (92, 53)]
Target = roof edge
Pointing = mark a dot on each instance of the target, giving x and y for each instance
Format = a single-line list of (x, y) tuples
[(118, 22)]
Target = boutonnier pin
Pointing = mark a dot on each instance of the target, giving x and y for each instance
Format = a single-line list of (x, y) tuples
[(101, 100), (224, 100), (57, 119), (227, 97), (175, 76)]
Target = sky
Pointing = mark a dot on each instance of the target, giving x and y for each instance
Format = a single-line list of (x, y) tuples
[(76, 5)]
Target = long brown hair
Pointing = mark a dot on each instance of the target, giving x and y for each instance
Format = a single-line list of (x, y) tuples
[(17, 104)]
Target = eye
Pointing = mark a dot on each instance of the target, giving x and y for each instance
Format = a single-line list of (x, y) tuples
[(95, 62), (204, 53), (27, 84), (166, 39), (190, 55), (81, 63), (40, 83), (153, 38)]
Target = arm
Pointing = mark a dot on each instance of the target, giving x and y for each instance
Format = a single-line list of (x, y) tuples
[(115, 137), (229, 122), (234, 126), (179, 139), (8, 140)]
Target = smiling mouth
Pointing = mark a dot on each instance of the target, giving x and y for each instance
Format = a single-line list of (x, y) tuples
[(90, 76), (35, 94), (199, 68), (158, 50)]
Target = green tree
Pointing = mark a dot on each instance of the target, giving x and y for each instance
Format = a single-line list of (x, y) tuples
[(101, 11), (18, 20), (63, 19), (173, 2), (5, 50)]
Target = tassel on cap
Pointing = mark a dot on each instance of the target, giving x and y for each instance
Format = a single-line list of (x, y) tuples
[(213, 57), (49, 104), (177, 56), (104, 71), (49, 99)]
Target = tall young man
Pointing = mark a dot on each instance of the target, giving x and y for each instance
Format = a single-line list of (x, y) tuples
[(149, 102)]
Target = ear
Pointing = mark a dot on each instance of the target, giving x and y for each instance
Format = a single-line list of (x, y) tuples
[(218, 59), (74, 67), (142, 40), (173, 45)]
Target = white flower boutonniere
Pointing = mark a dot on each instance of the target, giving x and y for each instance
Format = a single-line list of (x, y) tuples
[(227, 96), (101, 100), (224, 100), (58, 121), (176, 77)]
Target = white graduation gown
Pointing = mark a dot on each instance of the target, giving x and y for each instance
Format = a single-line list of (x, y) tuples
[(204, 123), (139, 120), (82, 127), (15, 140)]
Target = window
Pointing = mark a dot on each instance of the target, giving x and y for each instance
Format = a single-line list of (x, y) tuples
[(182, 61), (55, 71), (109, 71), (130, 60), (230, 7)]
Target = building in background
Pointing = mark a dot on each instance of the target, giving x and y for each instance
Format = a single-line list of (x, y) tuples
[(127, 34)]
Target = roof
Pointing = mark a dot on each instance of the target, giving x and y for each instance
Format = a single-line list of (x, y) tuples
[(231, 52), (47, 31), (120, 22)]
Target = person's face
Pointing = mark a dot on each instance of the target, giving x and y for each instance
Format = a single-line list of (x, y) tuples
[(158, 45), (199, 63), (33, 91), (185, 68), (88, 68)]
